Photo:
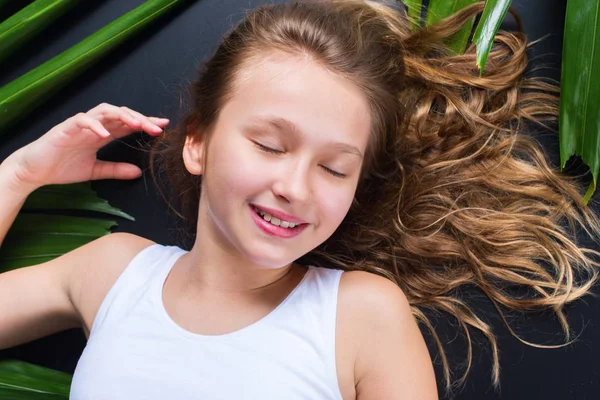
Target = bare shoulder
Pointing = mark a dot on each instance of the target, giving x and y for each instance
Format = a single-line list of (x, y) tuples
[(373, 299), (367, 283), (391, 358), (99, 264)]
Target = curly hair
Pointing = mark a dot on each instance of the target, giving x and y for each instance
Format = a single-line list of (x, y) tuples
[(451, 192)]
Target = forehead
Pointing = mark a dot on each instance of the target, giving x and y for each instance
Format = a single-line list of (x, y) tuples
[(320, 103)]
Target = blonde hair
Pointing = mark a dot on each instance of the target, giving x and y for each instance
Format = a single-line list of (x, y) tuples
[(451, 193)]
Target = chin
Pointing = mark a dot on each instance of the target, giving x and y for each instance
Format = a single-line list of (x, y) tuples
[(271, 262)]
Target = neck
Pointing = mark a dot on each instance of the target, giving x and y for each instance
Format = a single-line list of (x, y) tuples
[(214, 265), (224, 275)]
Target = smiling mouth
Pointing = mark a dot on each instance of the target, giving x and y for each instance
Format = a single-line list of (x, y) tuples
[(275, 221), (270, 227)]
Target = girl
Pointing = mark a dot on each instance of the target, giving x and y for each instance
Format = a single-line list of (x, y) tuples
[(328, 139)]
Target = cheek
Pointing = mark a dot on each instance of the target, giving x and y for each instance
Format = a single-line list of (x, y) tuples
[(335, 203), (232, 169)]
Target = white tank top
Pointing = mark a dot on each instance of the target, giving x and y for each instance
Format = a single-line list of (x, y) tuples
[(136, 351)]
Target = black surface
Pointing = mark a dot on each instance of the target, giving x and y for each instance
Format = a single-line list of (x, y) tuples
[(150, 74)]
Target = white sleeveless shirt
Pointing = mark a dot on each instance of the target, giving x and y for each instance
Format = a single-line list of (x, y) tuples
[(136, 351)]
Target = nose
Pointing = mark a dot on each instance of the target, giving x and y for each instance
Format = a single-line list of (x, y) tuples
[(293, 182)]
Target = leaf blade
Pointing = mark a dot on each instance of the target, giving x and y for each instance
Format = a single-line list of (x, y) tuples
[(579, 122), (78, 196), (21, 380), (493, 15), (414, 13), (28, 22), (30, 90), (37, 238), (440, 9)]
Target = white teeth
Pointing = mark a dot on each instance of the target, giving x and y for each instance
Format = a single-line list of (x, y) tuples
[(275, 221)]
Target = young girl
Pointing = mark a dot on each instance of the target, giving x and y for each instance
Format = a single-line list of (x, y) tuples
[(341, 176)]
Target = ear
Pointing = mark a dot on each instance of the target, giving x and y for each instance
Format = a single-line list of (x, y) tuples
[(193, 155)]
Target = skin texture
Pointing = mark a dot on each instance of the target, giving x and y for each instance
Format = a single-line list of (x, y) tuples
[(236, 255), (233, 265), (235, 274)]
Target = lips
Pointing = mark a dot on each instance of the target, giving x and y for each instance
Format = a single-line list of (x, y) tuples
[(280, 214), (274, 230)]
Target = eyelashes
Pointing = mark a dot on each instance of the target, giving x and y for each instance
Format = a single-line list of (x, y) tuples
[(275, 151), (334, 173), (268, 149)]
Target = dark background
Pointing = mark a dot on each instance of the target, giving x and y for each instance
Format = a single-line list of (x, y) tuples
[(150, 74)]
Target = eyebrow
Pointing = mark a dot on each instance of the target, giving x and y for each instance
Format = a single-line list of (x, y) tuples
[(284, 125)]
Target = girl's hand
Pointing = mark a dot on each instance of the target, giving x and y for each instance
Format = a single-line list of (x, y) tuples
[(67, 152)]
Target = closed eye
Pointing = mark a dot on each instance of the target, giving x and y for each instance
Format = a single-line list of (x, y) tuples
[(268, 149), (334, 173), (275, 151)]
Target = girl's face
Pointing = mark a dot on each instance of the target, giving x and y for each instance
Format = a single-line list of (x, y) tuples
[(291, 139)]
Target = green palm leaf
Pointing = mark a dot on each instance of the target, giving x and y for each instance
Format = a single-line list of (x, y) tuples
[(37, 238), (580, 92), (414, 13), (440, 9), (28, 91), (493, 15), (78, 196), (26, 223), (28, 22), (22, 381)]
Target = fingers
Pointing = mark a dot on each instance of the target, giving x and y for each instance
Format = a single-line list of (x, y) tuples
[(147, 123), (110, 115), (160, 121), (115, 170), (84, 121)]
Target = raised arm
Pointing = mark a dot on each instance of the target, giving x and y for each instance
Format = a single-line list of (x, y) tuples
[(39, 300), (13, 195)]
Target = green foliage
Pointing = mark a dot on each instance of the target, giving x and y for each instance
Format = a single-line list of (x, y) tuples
[(440, 9), (22, 381), (489, 23), (414, 13), (36, 237), (580, 92), (28, 22), (493, 15), (78, 196), (22, 95)]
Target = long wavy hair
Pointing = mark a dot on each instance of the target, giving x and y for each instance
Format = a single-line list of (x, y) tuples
[(452, 192)]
